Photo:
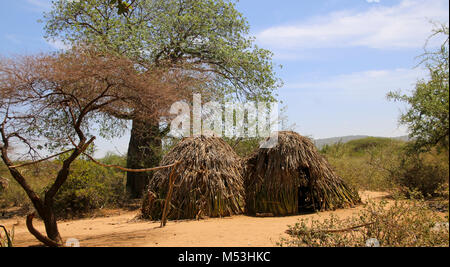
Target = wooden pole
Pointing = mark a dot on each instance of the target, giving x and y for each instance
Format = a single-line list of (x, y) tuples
[(169, 196)]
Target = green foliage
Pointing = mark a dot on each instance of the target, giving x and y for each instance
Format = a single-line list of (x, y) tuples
[(362, 145), (428, 114), (385, 164), (399, 224), (7, 237), (40, 176), (90, 187), (123, 7), (359, 146), (212, 34), (365, 164), (244, 147), (424, 173)]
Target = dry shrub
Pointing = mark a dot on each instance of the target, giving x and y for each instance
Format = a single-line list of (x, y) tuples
[(7, 237), (400, 224), (425, 173)]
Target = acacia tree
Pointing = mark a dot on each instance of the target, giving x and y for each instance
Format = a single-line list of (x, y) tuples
[(53, 102), (211, 34), (427, 116)]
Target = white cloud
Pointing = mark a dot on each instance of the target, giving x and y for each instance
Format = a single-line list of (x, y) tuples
[(405, 25), (41, 4), (365, 84), (349, 104), (373, 1), (13, 38), (58, 44)]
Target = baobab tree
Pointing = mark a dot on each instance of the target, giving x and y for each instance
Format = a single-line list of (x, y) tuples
[(211, 34), (53, 102)]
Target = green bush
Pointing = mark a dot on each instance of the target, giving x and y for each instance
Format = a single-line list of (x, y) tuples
[(244, 147), (90, 187), (362, 145), (39, 177), (388, 165), (365, 164), (402, 224), (424, 173)]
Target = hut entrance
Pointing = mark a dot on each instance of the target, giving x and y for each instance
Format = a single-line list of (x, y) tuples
[(305, 200)]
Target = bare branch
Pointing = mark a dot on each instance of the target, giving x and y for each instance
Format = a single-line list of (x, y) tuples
[(41, 160), (130, 170)]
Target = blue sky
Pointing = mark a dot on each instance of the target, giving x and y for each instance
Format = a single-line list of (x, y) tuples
[(339, 57)]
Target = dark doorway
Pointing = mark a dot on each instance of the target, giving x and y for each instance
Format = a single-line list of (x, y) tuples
[(305, 202)]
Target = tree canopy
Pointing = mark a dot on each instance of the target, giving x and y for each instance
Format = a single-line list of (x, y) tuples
[(427, 116), (55, 100), (210, 34)]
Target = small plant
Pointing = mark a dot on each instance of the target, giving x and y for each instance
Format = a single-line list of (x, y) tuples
[(399, 224), (7, 240)]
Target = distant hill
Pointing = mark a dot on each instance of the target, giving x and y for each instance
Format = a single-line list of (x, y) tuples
[(345, 139)]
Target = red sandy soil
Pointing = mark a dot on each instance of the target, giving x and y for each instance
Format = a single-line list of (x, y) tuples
[(120, 229)]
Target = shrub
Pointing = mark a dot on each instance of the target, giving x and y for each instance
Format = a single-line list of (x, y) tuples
[(90, 187), (15, 196), (362, 145), (389, 165), (365, 164), (244, 147), (7, 237), (403, 224), (426, 173)]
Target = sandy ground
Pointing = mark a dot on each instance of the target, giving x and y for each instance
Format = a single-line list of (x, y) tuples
[(120, 229)]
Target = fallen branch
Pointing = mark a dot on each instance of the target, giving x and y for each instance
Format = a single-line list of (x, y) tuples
[(299, 232)]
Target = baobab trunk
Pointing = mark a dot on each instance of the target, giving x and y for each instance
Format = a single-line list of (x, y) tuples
[(144, 151)]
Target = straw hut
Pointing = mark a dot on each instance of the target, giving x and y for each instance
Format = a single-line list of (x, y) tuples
[(208, 181), (293, 178)]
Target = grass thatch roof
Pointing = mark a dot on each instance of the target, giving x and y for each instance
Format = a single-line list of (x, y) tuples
[(208, 181), (275, 176)]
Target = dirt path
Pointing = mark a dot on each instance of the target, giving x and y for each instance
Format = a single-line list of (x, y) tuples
[(122, 230)]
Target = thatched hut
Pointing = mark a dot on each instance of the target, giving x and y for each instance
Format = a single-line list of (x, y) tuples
[(292, 178), (208, 181)]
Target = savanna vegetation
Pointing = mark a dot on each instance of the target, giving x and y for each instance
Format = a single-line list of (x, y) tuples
[(401, 224), (128, 61), (417, 171), (380, 164)]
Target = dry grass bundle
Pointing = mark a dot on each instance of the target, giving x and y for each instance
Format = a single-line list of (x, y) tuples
[(293, 177), (208, 181)]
